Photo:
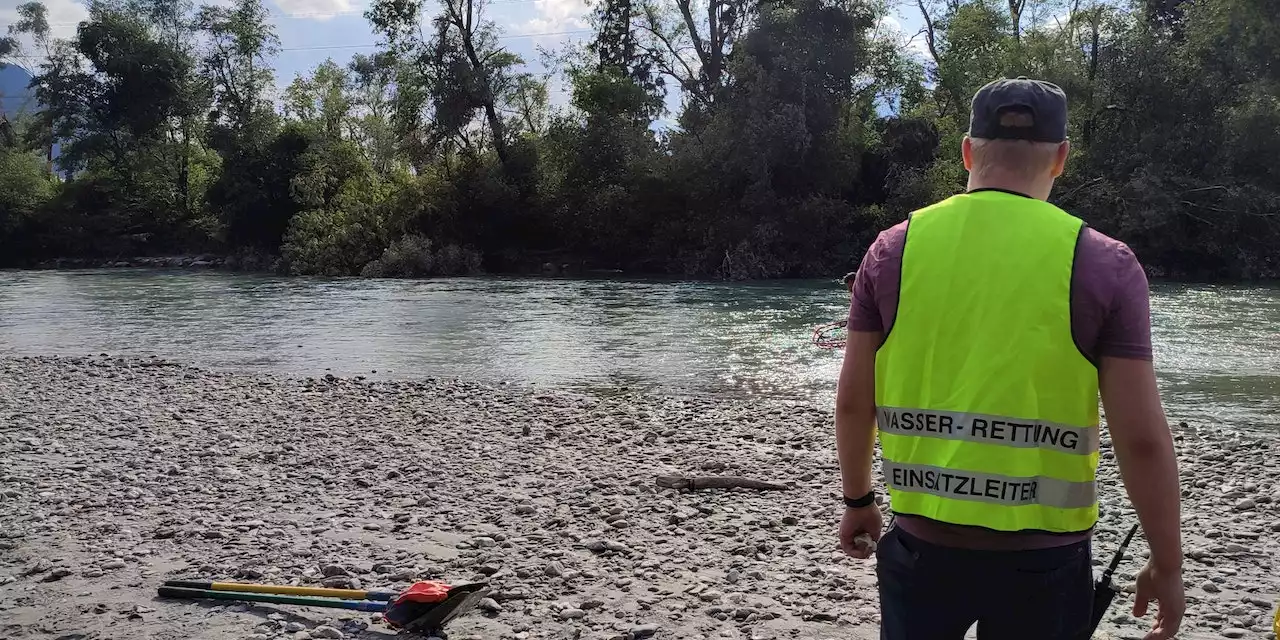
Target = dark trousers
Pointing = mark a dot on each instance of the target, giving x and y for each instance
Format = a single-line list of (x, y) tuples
[(928, 592)]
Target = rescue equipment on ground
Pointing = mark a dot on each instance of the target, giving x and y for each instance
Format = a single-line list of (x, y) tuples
[(423, 608)]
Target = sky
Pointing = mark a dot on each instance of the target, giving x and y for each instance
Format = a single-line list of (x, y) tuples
[(312, 31)]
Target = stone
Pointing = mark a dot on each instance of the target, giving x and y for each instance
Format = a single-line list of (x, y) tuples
[(1257, 601), (325, 631), (1235, 632), (114, 564), (1210, 586), (571, 614), (1247, 504), (294, 627), (642, 631), (56, 574), (554, 569), (489, 605)]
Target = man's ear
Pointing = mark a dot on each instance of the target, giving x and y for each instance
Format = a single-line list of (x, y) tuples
[(1060, 161), (966, 151)]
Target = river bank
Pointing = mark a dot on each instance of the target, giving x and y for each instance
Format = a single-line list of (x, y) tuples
[(118, 474)]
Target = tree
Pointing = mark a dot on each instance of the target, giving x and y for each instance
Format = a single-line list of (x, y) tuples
[(322, 99), (690, 42), (373, 96), (236, 64), (459, 72)]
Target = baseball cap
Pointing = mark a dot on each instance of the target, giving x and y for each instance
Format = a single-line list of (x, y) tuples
[(1045, 102)]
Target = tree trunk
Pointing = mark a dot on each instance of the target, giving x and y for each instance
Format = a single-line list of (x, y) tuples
[(490, 109)]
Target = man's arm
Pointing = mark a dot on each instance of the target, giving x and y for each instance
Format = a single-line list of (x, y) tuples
[(1142, 442), (1144, 451), (856, 412)]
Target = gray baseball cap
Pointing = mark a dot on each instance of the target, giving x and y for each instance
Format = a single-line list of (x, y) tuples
[(1045, 102)]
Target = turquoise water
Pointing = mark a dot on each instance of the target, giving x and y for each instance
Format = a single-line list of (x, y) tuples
[(1217, 347)]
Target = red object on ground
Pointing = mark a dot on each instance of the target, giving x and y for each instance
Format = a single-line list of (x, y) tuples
[(428, 592)]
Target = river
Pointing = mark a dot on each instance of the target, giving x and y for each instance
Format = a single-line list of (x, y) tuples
[(1217, 347)]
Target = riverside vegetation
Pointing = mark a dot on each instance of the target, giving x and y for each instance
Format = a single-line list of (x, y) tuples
[(804, 127), (116, 474)]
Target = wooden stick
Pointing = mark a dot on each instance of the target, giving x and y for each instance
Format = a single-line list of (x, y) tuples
[(682, 483)]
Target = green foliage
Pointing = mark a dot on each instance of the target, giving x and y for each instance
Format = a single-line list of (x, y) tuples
[(25, 190), (804, 129)]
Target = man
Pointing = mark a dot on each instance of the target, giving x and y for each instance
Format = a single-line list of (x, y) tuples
[(981, 332)]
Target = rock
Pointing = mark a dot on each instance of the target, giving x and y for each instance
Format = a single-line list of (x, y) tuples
[(42, 565), (483, 542), (554, 569), (56, 574), (114, 564), (489, 605), (338, 582), (1234, 632), (325, 631), (1210, 586), (294, 627), (1257, 601), (571, 614), (1247, 504), (642, 631)]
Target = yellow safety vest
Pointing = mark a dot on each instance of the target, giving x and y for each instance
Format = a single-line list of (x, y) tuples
[(987, 410)]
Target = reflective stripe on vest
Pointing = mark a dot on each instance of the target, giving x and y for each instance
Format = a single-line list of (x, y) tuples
[(988, 413)]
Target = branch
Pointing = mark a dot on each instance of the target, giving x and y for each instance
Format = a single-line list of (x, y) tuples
[(681, 483), (689, 85), (929, 31), (698, 47)]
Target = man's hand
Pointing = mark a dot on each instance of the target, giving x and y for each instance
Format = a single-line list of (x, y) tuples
[(1165, 587), (865, 520)]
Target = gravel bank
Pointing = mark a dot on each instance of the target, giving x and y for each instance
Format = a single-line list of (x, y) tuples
[(115, 475)]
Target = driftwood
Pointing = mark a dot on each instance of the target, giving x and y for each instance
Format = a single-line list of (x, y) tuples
[(717, 482)]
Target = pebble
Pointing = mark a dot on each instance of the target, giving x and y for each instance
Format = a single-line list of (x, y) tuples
[(571, 614), (1210, 587), (294, 627), (56, 574), (114, 564), (325, 631), (490, 605), (1235, 632), (642, 631)]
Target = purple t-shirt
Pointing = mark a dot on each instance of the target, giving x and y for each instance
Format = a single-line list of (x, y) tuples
[(1110, 317)]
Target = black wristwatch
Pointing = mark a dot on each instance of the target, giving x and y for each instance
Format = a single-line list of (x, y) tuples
[(858, 503)]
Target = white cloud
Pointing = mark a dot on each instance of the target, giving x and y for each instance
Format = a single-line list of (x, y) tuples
[(316, 9), (555, 16), (891, 27)]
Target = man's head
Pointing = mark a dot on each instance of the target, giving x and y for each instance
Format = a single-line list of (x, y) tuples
[(1017, 136)]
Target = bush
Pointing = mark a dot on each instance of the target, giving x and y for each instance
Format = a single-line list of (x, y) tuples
[(331, 242), (411, 256), (453, 260), (407, 257)]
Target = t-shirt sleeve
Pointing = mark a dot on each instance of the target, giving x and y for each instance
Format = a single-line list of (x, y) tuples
[(875, 288), (864, 315), (1126, 328)]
